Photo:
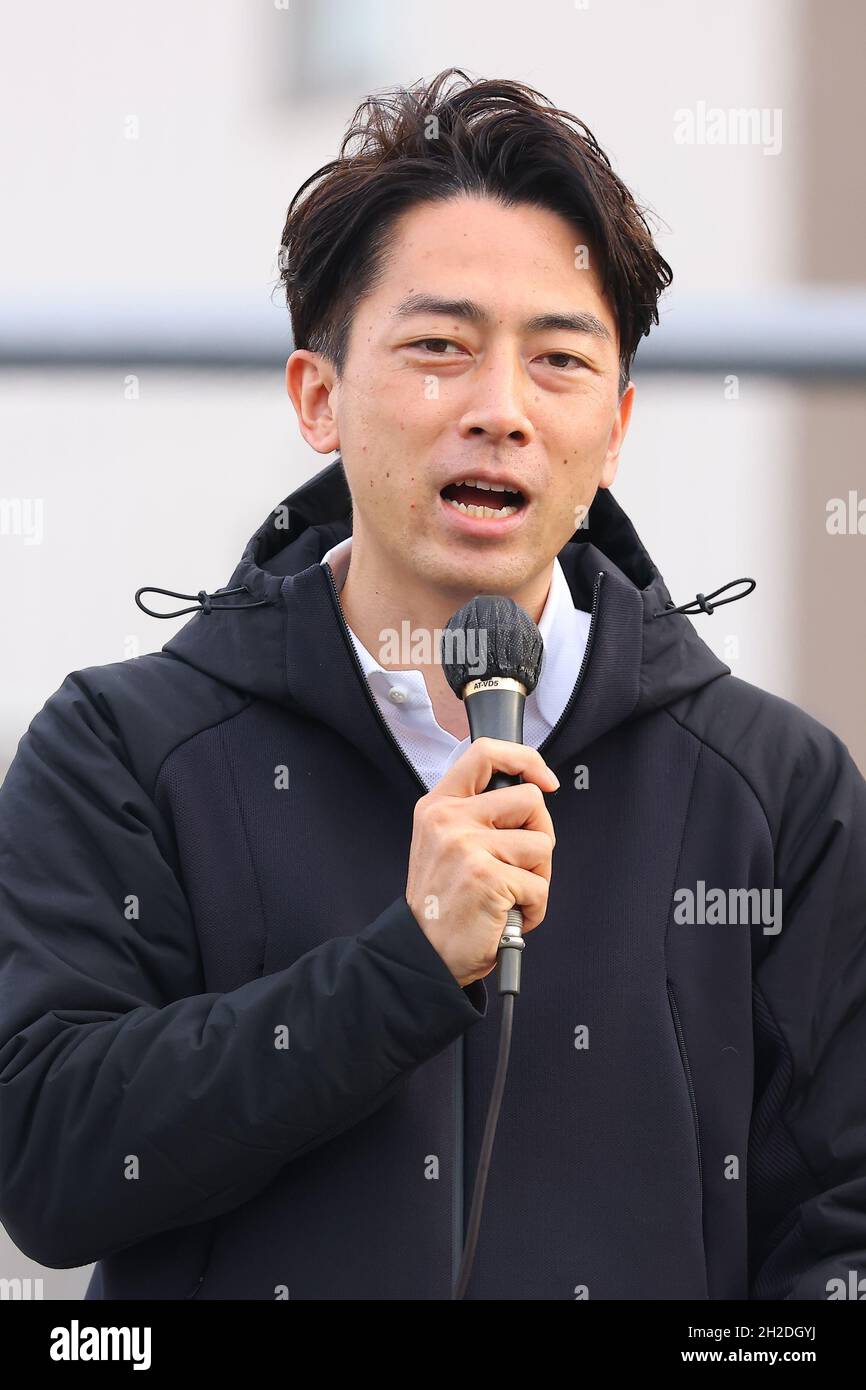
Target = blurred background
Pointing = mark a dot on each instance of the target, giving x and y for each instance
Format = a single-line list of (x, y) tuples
[(148, 157)]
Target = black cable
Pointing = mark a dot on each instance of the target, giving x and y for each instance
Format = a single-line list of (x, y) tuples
[(486, 1147)]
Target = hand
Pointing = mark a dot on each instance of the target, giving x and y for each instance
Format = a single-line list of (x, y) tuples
[(477, 853)]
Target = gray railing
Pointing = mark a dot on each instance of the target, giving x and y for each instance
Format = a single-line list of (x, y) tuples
[(812, 333)]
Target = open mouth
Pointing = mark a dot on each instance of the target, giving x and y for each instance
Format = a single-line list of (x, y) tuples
[(483, 499)]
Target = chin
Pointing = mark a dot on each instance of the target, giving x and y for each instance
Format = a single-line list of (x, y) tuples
[(483, 575)]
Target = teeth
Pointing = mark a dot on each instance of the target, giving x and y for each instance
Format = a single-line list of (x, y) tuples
[(485, 487), (471, 510)]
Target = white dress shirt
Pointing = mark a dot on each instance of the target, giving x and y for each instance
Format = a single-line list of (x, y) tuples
[(408, 711)]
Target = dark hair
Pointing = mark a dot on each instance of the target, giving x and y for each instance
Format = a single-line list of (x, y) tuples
[(428, 143)]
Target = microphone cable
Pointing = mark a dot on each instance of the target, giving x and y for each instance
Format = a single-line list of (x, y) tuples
[(508, 960)]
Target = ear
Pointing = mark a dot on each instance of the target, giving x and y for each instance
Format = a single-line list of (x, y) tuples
[(310, 383), (617, 436)]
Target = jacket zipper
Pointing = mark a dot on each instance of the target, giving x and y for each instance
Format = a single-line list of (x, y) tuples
[(590, 636), (371, 697), (458, 1234)]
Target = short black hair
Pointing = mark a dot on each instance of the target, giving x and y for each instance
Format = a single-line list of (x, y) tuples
[(435, 141)]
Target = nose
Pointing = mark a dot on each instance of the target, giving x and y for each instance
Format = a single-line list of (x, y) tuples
[(497, 407)]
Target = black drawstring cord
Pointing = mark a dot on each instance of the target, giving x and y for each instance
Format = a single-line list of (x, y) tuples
[(701, 602), (205, 601)]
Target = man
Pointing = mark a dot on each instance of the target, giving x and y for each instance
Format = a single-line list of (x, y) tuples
[(253, 884)]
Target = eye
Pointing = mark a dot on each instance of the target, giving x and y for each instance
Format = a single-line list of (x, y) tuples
[(569, 358), (422, 342)]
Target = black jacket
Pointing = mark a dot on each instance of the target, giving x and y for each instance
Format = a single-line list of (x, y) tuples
[(232, 1066)]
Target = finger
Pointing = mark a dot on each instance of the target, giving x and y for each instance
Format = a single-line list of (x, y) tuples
[(511, 808), (473, 770), (529, 893), (524, 849)]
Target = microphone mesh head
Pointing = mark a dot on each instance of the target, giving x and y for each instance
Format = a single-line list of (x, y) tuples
[(491, 636)]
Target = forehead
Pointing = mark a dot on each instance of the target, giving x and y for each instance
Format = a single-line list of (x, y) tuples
[(517, 260)]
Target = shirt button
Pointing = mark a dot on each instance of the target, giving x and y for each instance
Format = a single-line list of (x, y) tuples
[(397, 694)]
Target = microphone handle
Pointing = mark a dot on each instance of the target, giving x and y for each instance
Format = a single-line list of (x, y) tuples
[(499, 714)]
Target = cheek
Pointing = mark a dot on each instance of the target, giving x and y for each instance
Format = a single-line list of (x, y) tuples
[(574, 479), (392, 499), (579, 461), (373, 416)]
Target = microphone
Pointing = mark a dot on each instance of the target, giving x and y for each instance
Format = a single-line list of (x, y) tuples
[(509, 651)]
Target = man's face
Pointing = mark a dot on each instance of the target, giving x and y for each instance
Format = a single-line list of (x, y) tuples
[(432, 397)]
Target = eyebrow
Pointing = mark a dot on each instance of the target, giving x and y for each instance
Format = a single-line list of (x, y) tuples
[(582, 322)]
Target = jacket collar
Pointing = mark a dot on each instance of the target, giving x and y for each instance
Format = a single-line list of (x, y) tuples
[(287, 643)]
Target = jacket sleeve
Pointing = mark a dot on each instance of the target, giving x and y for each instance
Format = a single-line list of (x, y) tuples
[(807, 1154), (131, 1101)]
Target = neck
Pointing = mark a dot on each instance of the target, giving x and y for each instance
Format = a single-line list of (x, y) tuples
[(376, 599)]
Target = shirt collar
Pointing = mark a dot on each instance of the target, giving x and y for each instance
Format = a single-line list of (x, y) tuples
[(563, 630)]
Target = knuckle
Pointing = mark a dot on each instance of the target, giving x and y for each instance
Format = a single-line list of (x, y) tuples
[(431, 813), (438, 812)]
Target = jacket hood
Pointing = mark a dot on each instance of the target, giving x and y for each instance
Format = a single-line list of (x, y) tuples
[(276, 631)]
